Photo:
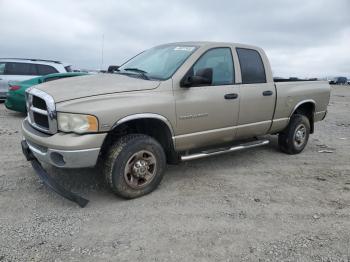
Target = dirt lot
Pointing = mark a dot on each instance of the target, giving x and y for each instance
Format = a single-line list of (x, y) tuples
[(252, 205)]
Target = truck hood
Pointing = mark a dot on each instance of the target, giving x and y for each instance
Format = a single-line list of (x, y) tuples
[(93, 85)]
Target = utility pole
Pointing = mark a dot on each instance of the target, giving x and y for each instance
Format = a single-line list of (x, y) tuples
[(102, 47)]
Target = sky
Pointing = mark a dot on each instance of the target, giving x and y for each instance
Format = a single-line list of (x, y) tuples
[(303, 38)]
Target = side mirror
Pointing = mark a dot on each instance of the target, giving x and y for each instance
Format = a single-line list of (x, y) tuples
[(112, 68), (203, 77)]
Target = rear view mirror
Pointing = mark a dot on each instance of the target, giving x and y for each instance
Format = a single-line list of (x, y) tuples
[(203, 77)]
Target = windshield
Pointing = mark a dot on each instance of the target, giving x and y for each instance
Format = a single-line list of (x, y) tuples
[(159, 62)]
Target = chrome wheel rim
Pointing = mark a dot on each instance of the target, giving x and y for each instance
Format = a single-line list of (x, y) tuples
[(140, 169), (300, 135)]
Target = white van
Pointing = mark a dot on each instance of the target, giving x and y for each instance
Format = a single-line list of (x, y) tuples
[(17, 69)]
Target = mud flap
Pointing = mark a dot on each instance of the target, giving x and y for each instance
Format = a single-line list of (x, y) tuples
[(49, 181)]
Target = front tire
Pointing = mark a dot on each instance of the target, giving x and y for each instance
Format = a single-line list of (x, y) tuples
[(134, 166), (295, 137)]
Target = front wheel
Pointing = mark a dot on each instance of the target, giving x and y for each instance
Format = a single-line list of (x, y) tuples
[(135, 165), (295, 137)]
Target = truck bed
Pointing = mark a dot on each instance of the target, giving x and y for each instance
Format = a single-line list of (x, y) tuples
[(293, 79), (293, 93)]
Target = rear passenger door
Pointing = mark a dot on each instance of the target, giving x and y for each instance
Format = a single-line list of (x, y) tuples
[(257, 96)]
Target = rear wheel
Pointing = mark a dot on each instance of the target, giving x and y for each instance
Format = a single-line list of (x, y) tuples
[(135, 165), (295, 137)]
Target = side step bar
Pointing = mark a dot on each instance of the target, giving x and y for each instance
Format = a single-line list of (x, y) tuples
[(224, 151)]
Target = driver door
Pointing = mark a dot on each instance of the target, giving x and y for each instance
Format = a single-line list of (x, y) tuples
[(207, 113)]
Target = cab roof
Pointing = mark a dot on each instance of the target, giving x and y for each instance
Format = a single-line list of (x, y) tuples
[(211, 44)]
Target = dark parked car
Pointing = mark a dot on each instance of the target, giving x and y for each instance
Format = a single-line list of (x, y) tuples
[(341, 80)]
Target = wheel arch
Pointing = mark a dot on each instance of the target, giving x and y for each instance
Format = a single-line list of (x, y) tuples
[(154, 125), (307, 108), (144, 116)]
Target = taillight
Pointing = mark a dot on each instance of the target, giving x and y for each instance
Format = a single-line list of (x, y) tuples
[(14, 88)]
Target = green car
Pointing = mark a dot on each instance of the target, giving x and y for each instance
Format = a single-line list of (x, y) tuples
[(16, 99)]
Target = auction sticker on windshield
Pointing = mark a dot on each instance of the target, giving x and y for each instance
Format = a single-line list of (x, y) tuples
[(184, 48)]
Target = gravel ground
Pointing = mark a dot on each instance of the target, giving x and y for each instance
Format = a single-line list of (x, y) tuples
[(254, 205)]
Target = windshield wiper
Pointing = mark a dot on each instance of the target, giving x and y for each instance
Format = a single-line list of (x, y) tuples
[(137, 70)]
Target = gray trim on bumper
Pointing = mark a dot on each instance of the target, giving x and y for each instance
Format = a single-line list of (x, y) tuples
[(3, 95), (320, 115), (65, 158)]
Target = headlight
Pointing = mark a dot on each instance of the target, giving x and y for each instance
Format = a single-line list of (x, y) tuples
[(77, 123)]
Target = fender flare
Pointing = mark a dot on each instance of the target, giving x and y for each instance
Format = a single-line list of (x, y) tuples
[(145, 116), (312, 114), (302, 102)]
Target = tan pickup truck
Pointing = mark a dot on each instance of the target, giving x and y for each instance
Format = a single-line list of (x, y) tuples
[(171, 103)]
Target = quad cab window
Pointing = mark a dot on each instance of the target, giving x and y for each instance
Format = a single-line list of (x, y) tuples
[(252, 67)]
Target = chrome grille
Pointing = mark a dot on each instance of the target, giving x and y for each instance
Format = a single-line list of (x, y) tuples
[(39, 103), (41, 111)]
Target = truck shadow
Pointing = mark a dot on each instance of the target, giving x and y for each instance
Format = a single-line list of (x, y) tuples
[(90, 181), (83, 180), (215, 164)]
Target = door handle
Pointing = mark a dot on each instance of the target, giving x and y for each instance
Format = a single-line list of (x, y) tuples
[(267, 93), (231, 96)]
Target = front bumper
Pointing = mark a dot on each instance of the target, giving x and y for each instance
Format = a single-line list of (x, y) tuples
[(64, 158), (63, 150), (50, 182)]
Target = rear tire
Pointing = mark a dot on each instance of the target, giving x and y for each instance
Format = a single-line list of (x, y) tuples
[(295, 137), (134, 166)]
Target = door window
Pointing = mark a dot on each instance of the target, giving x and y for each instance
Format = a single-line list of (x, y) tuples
[(2, 68), (252, 67), (14, 68), (220, 61), (46, 69), (68, 68)]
